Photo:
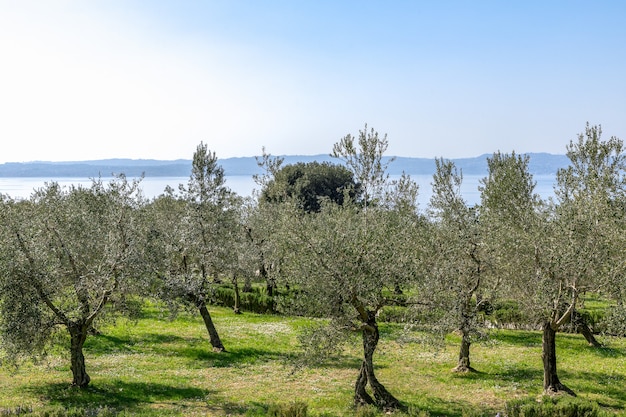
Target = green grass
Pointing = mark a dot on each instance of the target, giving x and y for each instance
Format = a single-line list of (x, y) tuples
[(158, 367)]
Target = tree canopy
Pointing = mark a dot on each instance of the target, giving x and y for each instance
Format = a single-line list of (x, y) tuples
[(67, 254), (310, 183)]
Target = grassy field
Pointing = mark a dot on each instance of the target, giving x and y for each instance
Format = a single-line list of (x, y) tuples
[(157, 367)]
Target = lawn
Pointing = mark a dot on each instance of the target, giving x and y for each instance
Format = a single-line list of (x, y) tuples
[(160, 367)]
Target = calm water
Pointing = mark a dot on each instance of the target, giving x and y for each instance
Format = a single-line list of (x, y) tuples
[(244, 186)]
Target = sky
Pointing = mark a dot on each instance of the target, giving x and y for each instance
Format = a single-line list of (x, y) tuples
[(151, 79)]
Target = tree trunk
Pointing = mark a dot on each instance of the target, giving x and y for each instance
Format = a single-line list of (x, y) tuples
[(382, 397), (208, 322), (78, 335), (247, 285), (270, 283), (464, 353), (361, 397), (270, 287), (237, 297), (580, 324), (589, 337), (551, 382), (397, 290), (463, 364)]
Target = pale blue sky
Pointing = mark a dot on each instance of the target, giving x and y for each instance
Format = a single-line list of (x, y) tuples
[(151, 79)]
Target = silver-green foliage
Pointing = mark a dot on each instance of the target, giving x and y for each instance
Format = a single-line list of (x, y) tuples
[(456, 285), (67, 255), (346, 261)]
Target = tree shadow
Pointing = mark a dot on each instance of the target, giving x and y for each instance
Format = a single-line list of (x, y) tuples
[(440, 407), (233, 356), (507, 375), (347, 362), (103, 343), (521, 338), (115, 394), (606, 384), (607, 352), (200, 353)]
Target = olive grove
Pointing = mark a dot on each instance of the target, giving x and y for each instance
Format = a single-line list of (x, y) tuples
[(343, 241)]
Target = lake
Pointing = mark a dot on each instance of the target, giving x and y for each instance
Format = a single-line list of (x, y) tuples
[(244, 185)]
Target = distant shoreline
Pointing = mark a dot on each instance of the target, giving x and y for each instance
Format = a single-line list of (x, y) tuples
[(540, 164)]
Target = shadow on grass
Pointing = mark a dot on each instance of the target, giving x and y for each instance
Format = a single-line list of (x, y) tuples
[(232, 357), (116, 394), (507, 375), (521, 338), (601, 383), (200, 353), (251, 409), (607, 352), (440, 407), (107, 343), (240, 356)]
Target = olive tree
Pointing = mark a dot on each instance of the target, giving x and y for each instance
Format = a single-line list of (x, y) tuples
[(346, 261), (363, 156), (194, 236), (309, 184), (552, 254), (526, 235), (259, 219), (582, 255), (262, 249), (512, 218), (456, 288), (68, 254)]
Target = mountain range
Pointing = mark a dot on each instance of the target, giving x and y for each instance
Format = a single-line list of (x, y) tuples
[(540, 164)]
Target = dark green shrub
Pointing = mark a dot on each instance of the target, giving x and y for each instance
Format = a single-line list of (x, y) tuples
[(293, 409), (392, 314), (59, 411), (554, 407), (367, 411), (256, 301), (506, 313), (592, 319), (614, 322)]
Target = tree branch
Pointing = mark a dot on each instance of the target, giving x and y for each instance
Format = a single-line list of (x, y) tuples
[(81, 293), (44, 297)]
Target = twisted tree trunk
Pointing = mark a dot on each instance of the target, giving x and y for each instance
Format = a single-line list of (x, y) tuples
[(78, 335), (382, 397)]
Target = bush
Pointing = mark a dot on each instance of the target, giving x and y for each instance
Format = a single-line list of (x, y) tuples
[(256, 301), (553, 407), (294, 409), (367, 411), (507, 314), (59, 411), (392, 314), (614, 322)]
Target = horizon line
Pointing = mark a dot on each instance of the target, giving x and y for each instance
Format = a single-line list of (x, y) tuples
[(256, 156)]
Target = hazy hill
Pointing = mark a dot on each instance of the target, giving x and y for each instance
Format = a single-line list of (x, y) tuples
[(540, 164)]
